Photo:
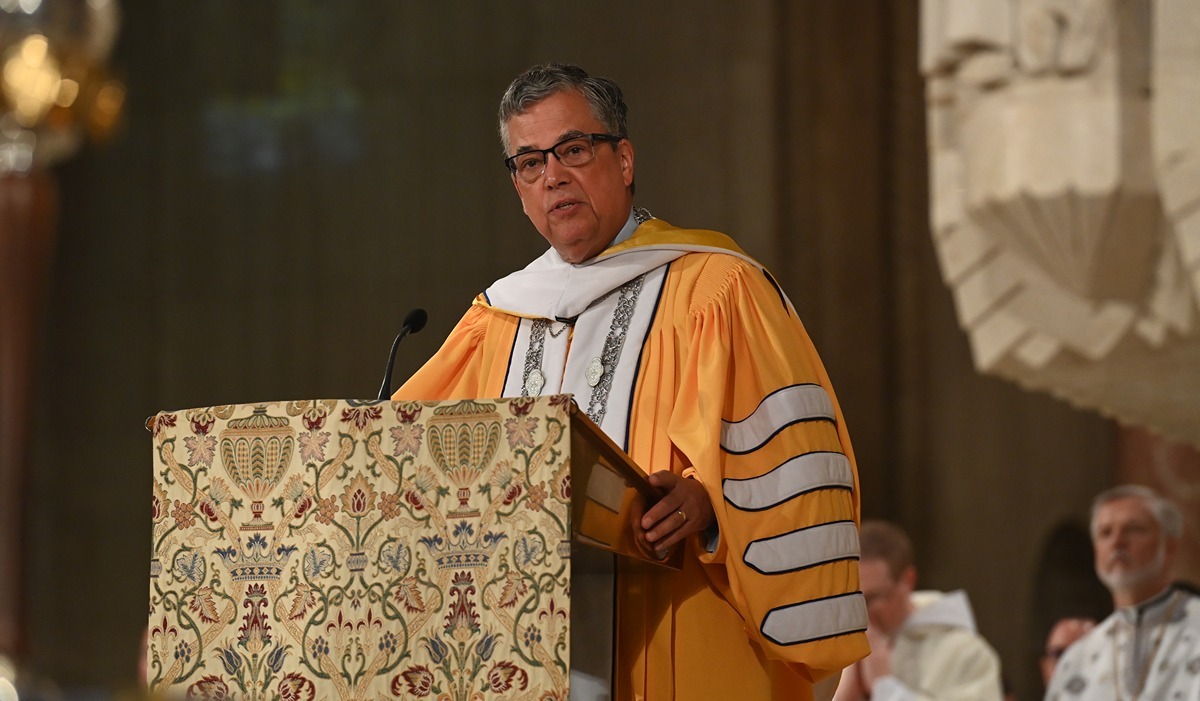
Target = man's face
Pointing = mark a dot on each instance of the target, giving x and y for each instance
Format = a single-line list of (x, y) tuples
[(579, 210), (1131, 550), (888, 599)]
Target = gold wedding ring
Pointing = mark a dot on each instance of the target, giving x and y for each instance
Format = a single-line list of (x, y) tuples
[(682, 515)]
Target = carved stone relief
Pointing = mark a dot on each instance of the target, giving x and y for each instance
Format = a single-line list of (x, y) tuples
[(1064, 150)]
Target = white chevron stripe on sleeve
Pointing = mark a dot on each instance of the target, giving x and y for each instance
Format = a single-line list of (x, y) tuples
[(816, 620), (779, 410), (801, 474), (807, 547)]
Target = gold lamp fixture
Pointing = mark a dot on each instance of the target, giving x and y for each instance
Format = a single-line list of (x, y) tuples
[(55, 85)]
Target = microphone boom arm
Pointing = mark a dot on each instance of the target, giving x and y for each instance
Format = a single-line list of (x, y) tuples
[(414, 322)]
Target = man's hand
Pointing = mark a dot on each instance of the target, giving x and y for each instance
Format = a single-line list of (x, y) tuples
[(683, 510), (878, 663)]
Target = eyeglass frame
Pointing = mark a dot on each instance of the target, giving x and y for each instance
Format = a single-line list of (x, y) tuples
[(511, 161)]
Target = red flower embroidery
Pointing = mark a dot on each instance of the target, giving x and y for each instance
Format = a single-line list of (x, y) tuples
[(358, 498), (162, 422), (210, 688), (209, 509), (296, 687), (520, 406), (361, 417), (408, 412), (302, 506), (314, 417), (510, 495), (504, 675), (419, 680), (202, 421)]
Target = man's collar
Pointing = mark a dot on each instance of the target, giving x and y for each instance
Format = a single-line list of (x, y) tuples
[(631, 225), (549, 288), (1153, 608)]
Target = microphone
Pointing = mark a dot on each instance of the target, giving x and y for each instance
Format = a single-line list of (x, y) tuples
[(414, 322)]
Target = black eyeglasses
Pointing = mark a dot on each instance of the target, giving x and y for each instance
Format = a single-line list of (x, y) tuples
[(573, 151)]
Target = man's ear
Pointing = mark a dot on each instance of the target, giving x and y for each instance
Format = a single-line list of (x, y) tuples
[(517, 187), (625, 155), (908, 578), (1171, 548)]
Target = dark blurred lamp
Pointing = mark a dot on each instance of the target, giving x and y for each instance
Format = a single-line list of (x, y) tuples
[(56, 89), (54, 92)]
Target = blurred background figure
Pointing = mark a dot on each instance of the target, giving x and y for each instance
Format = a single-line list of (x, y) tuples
[(1150, 646), (1064, 632), (923, 643), (7, 675)]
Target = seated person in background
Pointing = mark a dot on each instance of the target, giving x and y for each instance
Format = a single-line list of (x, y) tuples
[(923, 643), (1064, 632), (1149, 648)]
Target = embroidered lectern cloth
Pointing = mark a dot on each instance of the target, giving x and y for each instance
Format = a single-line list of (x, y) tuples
[(347, 550)]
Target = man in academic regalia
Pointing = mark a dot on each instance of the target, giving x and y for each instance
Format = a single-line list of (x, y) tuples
[(687, 353)]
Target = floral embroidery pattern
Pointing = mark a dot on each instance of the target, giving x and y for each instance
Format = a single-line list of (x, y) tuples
[(361, 550)]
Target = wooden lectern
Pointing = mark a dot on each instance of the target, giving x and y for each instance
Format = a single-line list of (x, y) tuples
[(359, 550)]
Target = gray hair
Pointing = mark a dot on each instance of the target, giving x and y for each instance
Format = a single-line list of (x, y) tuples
[(1163, 510), (539, 82)]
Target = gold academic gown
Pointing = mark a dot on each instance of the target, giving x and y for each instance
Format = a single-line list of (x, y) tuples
[(723, 344)]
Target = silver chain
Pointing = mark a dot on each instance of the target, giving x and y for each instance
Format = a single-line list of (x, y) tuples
[(613, 342), (533, 357)]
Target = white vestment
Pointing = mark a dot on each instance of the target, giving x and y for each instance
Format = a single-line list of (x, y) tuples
[(1151, 650)]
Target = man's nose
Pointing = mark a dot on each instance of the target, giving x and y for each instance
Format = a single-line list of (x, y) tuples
[(555, 173), (1118, 540)]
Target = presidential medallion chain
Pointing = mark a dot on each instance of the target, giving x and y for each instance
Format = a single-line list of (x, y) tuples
[(533, 380), (599, 371), (613, 343)]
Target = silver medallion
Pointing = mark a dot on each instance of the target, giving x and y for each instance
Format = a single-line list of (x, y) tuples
[(593, 372), (534, 384)]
